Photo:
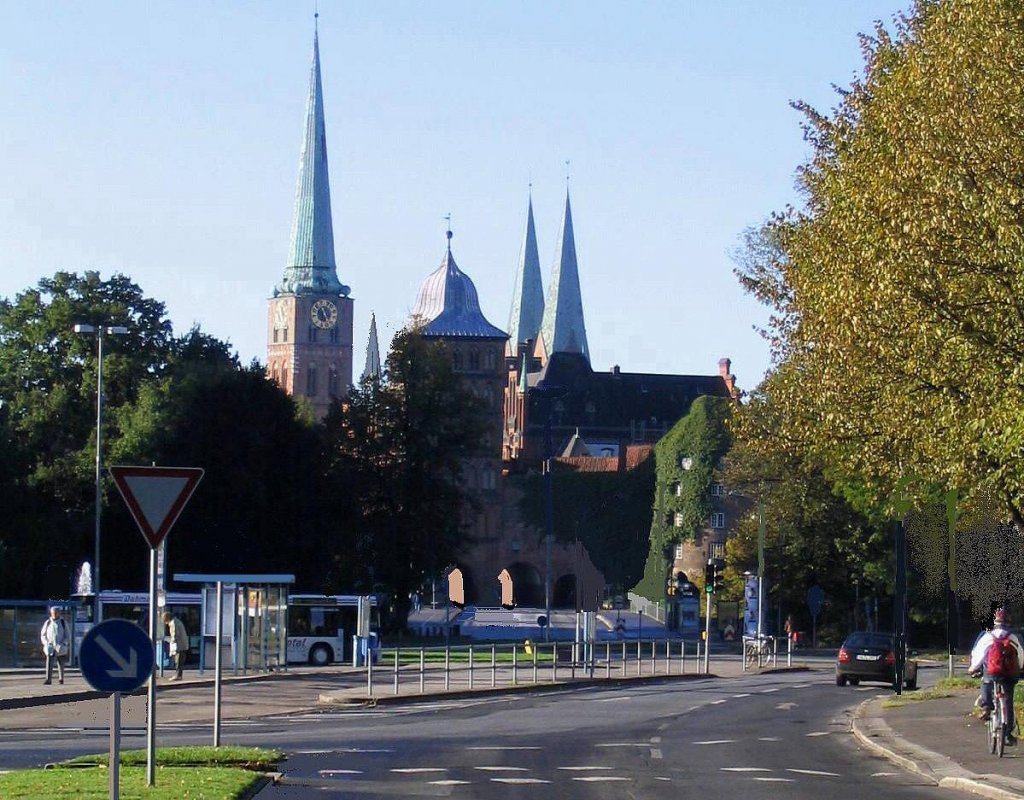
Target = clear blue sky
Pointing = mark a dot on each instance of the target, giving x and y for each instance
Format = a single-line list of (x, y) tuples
[(162, 141)]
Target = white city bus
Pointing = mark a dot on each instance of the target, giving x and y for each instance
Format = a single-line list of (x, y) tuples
[(317, 627)]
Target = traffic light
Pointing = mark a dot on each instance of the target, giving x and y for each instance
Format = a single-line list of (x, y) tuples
[(709, 578), (670, 588), (719, 580)]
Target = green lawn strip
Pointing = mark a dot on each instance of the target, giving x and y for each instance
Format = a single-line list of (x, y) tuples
[(251, 758), (953, 687), (172, 783), (480, 656)]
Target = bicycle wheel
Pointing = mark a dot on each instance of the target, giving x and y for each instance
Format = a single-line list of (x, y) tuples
[(993, 732)]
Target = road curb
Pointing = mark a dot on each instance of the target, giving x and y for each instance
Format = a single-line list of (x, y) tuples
[(868, 726), (12, 703)]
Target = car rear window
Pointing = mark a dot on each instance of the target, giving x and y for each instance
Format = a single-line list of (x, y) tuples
[(869, 640)]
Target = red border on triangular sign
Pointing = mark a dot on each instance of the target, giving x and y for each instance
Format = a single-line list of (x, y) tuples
[(192, 475)]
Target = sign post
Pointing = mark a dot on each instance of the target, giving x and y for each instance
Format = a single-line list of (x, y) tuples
[(116, 656), (155, 497)]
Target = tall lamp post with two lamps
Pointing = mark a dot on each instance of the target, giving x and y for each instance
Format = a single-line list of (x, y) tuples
[(100, 332)]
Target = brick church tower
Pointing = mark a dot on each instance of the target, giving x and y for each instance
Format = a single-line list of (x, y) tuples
[(309, 316)]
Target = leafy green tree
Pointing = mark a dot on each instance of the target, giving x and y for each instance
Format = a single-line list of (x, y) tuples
[(812, 535), (898, 286), (262, 505), (400, 445), (48, 413)]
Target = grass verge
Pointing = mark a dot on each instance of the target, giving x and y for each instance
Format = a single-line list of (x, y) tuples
[(252, 758), (172, 783), (183, 773)]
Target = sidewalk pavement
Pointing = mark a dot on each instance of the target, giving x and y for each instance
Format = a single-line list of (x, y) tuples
[(938, 739), (943, 742)]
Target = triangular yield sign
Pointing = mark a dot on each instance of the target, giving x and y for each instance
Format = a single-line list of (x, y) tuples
[(155, 496)]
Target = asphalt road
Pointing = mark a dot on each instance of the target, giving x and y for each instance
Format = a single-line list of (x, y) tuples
[(760, 736)]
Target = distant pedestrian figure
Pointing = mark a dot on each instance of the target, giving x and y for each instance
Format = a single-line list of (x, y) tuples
[(620, 628), (177, 638), (415, 601), (54, 637), (789, 628)]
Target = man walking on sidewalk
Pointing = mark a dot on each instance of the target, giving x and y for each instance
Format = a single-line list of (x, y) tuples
[(54, 637), (178, 640)]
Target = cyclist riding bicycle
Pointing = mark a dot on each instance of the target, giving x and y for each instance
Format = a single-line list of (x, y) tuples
[(998, 655)]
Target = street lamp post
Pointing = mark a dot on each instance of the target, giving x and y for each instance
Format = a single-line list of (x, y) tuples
[(100, 332)]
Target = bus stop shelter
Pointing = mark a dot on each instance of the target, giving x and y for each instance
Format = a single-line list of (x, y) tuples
[(255, 615)]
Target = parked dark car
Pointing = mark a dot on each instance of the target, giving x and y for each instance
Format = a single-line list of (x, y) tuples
[(867, 656)]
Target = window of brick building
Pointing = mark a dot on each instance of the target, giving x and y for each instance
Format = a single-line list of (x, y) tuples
[(311, 380)]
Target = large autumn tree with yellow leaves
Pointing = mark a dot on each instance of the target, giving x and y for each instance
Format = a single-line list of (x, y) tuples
[(897, 288)]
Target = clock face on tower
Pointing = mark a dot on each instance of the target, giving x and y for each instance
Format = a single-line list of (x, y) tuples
[(324, 314)]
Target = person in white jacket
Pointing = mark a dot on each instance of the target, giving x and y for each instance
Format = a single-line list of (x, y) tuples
[(54, 638), (979, 655)]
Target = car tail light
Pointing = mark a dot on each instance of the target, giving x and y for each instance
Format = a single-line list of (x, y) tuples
[(890, 657), (843, 655)]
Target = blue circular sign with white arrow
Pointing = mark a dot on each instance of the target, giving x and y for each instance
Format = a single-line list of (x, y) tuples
[(116, 656)]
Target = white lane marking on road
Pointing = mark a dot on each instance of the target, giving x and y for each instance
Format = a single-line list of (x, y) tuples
[(415, 770), (717, 741), (583, 768), (738, 696), (819, 733), (661, 778), (744, 769), (785, 706), (691, 708), (718, 702), (884, 774), (504, 747), (776, 780), (624, 744), (655, 752), (802, 685), (597, 778), (328, 772), (769, 691), (769, 738), (448, 782), (364, 750), (814, 772), (664, 726), (519, 780), (312, 752), (499, 768), (655, 739), (614, 699)]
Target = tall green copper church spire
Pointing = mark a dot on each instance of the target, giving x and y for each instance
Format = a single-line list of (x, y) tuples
[(311, 267)]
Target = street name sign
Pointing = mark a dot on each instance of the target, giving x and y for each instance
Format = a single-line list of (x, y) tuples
[(116, 656), (155, 496)]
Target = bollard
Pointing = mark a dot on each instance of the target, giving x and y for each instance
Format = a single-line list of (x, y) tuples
[(607, 659), (623, 659), (682, 657), (639, 658), (494, 667), (789, 651), (422, 670), (397, 659), (554, 662), (535, 665), (515, 680), (369, 672), (447, 667), (471, 666)]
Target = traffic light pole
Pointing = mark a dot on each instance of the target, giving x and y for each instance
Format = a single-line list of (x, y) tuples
[(707, 635)]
